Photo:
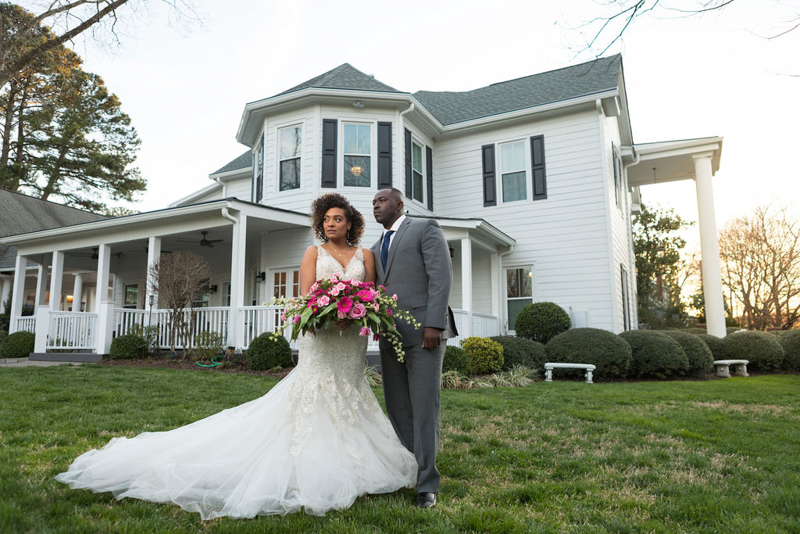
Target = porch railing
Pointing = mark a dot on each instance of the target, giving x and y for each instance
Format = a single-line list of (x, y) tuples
[(205, 320), (483, 325), (26, 324), (72, 330)]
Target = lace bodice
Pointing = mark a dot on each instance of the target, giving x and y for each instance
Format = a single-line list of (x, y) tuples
[(327, 265)]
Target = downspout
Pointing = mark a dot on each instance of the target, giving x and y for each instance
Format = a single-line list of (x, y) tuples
[(634, 300)]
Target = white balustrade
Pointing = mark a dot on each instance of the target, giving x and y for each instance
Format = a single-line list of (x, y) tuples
[(26, 324), (483, 325), (72, 330)]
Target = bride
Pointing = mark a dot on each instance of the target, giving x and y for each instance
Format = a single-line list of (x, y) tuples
[(316, 441)]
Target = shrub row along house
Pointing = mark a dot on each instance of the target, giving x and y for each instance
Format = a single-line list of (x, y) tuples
[(533, 180)]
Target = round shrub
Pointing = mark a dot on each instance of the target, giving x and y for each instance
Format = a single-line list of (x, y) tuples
[(17, 345), (610, 354), (790, 341), (541, 321), (268, 351), (456, 359), (715, 344), (655, 354), (733, 329), (761, 349), (521, 351), (3, 335), (694, 330), (128, 346), (701, 359), (485, 355)]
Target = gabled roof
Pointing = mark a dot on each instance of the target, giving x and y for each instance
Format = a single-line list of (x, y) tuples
[(554, 86), (242, 162), (345, 76), (20, 214)]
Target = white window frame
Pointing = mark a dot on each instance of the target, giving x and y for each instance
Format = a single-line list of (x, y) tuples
[(278, 160), (373, 143), (292, 280), (532, 274), (423, 156), (526, 168)]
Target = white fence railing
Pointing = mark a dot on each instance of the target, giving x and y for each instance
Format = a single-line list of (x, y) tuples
[(205, 320), (482, 325), (26, 324), (72, 330)]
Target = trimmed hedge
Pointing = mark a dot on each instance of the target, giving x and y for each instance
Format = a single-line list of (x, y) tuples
[(790, 341), (701, 359), (456, 359), (128, 347), (761, 349), (716, 345), (267, 352), (608, 352), (541, 321), (655, 354), (485, 355), (521, 351), (17, 345)]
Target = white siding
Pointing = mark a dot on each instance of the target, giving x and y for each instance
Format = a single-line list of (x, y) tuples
[(239, 188)]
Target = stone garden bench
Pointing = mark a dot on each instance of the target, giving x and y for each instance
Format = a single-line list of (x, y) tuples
[(549, 366), (723, 367)]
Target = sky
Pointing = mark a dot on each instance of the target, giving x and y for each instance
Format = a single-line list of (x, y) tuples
[(185, 82)]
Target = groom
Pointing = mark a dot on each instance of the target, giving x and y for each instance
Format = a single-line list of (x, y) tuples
[(412, 260)]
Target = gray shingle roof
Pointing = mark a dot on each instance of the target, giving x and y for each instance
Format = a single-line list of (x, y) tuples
[(535, 90), (344, 76), (20, 214), (242, 162)]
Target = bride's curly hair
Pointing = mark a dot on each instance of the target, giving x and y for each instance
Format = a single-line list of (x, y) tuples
[(334, 200)]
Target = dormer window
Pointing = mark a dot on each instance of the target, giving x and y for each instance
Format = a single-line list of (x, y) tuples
[(290, 147), (417, 166), (357, 151)]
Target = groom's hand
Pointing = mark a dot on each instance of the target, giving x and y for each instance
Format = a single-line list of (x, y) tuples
[(431, 338)]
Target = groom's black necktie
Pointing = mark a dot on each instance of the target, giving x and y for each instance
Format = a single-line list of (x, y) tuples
[(385, 247)]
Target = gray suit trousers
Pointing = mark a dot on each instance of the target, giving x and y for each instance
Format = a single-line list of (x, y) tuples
[(412, 392)]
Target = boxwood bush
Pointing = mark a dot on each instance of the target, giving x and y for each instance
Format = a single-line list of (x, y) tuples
[(128, 346), (541, 321), (485, 355), (17, 345), (715, 344), (456, 359), (655, 354), (521, 351), (608, 352), (790, 341), (701, 359), (761, 349), (268, 351)]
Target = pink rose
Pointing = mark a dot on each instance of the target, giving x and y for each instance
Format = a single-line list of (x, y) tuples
[(358, 311), (314, 286), (364, 331), (335, 291), (355, 282), (394, 297), (340, 286), (324, 300)]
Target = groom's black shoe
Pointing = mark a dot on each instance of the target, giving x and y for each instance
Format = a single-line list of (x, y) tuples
[(425, 500)]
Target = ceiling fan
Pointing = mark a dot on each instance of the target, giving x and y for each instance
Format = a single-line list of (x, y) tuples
[(208, 242)]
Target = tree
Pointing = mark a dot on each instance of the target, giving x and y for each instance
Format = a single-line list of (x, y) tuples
[(760, 256), (177, 278), (660, 271)]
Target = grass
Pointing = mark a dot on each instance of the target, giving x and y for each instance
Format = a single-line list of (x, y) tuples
[(694, 456)]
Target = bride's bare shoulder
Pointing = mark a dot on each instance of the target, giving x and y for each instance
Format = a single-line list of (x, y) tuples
[(367, 253)]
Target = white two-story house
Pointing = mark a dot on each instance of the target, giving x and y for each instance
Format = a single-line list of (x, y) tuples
[(533, 180)]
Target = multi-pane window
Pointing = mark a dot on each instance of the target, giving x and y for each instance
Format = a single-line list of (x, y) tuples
[(417, 165), (519, 291), (512, 168), (290, 145), (131, 296), (357, 154), (285, 284)]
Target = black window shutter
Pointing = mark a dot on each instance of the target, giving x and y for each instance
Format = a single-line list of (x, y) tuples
[(489, 180), (384, 155), (429, 175), (409, 176), (329, 127), (539, 174)]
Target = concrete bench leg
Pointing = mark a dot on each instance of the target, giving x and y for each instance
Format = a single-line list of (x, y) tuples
[(548, 375), (723, 371), (740, 369), (588, 376)]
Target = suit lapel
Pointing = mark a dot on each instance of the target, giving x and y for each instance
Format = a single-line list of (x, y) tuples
[(395, 244)]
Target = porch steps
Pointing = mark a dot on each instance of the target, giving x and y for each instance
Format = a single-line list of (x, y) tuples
[(83, 357)]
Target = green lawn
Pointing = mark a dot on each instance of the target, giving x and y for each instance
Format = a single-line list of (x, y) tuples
[(694, 456)]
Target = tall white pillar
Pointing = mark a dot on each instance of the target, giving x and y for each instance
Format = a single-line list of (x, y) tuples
[(709, 244), (466, 286), (153, 256), (41, 286), (104, 308), (77, 289), (238, 250), (103, 270), (18, 293), (56, 276)]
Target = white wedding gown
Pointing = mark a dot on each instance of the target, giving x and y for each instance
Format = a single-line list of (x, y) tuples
[(317, 440)]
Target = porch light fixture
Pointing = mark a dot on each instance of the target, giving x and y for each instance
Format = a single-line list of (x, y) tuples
[(356, 170), (358, 104), (260, 277), (212, 289)]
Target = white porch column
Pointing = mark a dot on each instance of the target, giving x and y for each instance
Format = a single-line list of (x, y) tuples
[(56, 276), (7, 282), (104, 308), (41, 286), (709, 244), (238, 250), (103, 270), (496, 284), (153, 255), (77, 289), (42, 329), (18, 293), (466, 286)]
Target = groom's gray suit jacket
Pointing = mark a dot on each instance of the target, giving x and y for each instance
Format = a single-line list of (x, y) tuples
[(419, 271)]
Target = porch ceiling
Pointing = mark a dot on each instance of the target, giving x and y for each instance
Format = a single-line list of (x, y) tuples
[(668, 161)]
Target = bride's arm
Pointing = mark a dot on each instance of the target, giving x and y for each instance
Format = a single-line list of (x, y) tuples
[(308, 270), (369, 265)]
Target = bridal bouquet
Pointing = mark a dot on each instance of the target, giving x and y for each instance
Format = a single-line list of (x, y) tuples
[(335, 299)]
